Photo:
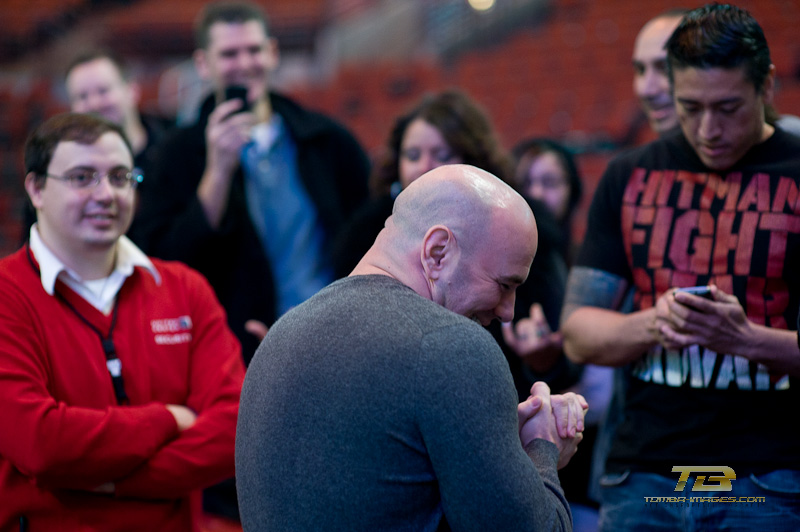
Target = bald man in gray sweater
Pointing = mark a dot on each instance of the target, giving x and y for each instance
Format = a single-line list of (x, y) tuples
[(382, 404)]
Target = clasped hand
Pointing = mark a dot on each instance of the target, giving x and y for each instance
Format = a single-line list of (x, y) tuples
[(555, 418)]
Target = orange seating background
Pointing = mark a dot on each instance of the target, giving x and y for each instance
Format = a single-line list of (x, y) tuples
[(568, 77)]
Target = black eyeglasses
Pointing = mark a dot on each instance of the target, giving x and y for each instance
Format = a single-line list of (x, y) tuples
[(121, 178)]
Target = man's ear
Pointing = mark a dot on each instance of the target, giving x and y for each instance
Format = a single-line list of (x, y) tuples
[(768, 89), (273, 54), (200, 63), (439, 251), (135, 92), (33, 186)]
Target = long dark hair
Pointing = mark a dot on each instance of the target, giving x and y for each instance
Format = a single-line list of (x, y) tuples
[(526, 151), (464, 126)]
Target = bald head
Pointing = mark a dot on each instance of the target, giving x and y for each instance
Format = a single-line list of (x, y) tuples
[(650, 79), (457, 229)]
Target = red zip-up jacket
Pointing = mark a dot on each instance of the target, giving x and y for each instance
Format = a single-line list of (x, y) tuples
[(62, 431)]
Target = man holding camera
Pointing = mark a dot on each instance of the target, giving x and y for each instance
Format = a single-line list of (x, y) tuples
[(250, 193)]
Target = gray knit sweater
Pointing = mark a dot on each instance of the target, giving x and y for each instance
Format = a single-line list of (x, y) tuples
[(369, 407)]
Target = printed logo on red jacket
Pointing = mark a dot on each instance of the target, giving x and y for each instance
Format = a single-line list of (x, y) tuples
[(171, 331)]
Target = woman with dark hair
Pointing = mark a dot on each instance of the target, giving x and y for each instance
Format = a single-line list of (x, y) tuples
[(443, 128), (546, 171)]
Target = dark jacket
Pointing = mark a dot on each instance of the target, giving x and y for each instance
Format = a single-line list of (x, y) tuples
[(332, 166)]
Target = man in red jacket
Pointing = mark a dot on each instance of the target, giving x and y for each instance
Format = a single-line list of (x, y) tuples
[(119, 378)]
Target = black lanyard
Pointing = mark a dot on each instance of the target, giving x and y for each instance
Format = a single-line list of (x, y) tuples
[(113, 363)]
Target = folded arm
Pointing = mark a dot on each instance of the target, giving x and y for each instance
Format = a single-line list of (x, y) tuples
[(66, 446), (202, 454)]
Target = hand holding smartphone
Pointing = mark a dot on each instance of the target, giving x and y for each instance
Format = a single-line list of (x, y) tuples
[(236, 92), (699, 291)]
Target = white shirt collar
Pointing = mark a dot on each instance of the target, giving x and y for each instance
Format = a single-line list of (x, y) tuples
[(128, 256), (265, 134)]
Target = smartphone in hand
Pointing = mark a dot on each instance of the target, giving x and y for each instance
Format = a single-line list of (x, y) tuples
[(234, 92), (700, 291)]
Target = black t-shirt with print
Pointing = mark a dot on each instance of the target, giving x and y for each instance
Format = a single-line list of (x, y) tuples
[(661, 219)]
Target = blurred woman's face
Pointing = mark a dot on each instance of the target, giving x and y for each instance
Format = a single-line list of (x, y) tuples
[(547, 181), (423, 148)]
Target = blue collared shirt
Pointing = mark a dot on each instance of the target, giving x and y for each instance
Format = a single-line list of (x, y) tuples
[(283, 214)]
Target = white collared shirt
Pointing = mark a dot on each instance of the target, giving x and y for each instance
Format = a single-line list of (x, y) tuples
[(265, 134), (100, 293)]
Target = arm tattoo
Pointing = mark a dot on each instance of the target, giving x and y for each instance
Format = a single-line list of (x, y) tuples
[(589, 287)]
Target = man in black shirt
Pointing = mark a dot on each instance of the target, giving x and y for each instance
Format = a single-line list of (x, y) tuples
[(713, 203)]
